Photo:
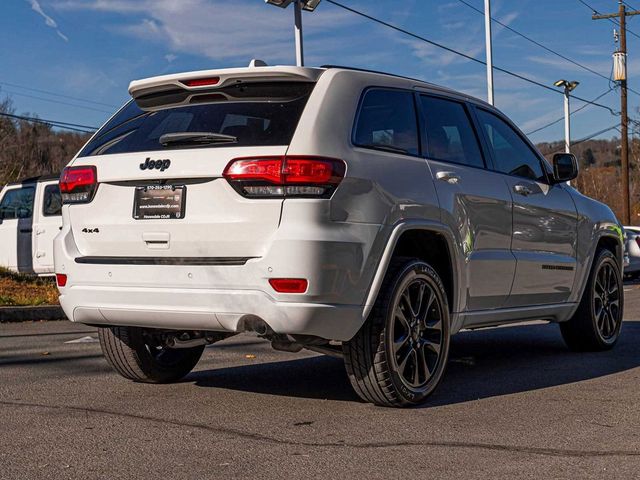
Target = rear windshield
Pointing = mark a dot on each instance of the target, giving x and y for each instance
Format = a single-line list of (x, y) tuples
[(257, 114)]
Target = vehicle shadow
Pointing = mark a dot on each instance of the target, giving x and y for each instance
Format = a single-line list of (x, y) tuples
[(485, 363)]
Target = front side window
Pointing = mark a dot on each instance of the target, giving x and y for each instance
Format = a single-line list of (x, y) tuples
[(510, 152), (52, 203), (450, 136), (387, 121), (17, 203)]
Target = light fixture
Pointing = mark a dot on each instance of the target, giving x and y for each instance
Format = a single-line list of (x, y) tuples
[(308, 5), (279, 3), (570, 86)]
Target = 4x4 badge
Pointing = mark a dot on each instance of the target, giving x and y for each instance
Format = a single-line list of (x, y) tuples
[(149, 164)]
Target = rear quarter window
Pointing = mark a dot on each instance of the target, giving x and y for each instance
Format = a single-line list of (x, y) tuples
[(387, 121), (52, 202), (257, 114)]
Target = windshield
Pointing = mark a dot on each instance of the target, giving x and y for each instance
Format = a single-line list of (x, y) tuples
[(256, 114)]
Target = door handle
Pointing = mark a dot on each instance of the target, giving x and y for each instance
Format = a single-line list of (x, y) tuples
[(522, 190), (448, 177)]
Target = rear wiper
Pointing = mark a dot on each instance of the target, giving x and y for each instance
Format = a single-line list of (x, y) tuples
[(191, 138), (384, 146)]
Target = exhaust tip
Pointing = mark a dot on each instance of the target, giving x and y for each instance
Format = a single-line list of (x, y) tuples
[(257, 325)]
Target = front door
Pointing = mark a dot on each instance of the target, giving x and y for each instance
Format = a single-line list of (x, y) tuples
[(544, 218), (475, 202)]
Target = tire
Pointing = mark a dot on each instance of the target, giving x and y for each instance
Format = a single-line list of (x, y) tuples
[(597, 322), (393, 360), (130, 352)]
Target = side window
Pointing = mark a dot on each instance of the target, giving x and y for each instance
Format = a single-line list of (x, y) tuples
[(511, 154), (450, 136), (387, 121), (52, 203), (17, 203)]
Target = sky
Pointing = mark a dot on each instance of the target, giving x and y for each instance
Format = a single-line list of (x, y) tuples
[(72, 60)]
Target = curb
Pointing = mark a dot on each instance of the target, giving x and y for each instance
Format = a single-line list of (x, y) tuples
[(30, 314)]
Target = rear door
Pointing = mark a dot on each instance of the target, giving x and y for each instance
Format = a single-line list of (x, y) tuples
[(475, 201), (137, 174), (544, 239), (47, 224), (16, 212)]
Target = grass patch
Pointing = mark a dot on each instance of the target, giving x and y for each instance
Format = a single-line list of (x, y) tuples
[(17, 290)]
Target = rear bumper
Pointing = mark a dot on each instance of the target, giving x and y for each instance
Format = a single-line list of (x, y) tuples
[(222, 297), (205, 309)]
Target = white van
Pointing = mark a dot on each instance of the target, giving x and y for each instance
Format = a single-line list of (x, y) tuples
[(30, 218)]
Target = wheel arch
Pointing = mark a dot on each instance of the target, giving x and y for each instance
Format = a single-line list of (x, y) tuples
[(608, 239), (405, 241)]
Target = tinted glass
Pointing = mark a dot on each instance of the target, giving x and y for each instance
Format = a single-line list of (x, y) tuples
[(450, 136), (52, 203), (256, 114), (510, 152), (387, 121), (17, 203)]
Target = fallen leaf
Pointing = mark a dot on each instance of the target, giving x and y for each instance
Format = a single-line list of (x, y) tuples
[(45, 353), (250, 356)]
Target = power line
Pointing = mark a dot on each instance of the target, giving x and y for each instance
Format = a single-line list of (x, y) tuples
[(57, 101), (615, 22), (23, 117), (51, 123), (593, 135), (570, 114), (54, 94), (451, 50), (526, 37)]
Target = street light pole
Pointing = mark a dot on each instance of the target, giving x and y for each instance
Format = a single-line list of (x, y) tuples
[(568, 88), (567, 122), (297, 12), (489, 49), (298, 7)]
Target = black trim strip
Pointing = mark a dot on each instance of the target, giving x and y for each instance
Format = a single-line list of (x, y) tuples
[(176, 261)]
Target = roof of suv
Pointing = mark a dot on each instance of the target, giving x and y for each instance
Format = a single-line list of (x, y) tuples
[(41, 178), (224, 77)]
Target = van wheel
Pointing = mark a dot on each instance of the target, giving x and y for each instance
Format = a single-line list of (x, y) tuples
[(399, 355), (596, 324), (133, 353)]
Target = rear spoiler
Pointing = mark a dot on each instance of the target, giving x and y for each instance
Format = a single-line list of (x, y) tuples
[(211, 79)]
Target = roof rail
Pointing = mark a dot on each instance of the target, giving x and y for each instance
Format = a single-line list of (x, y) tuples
[(378, 72)]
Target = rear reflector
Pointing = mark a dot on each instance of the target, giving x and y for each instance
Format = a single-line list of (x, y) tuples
[(201, 82), (78, 184), (61, 279), (285, 176), (289, 285)]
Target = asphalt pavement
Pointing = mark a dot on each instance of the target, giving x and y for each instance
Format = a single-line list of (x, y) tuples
[(515, 403)]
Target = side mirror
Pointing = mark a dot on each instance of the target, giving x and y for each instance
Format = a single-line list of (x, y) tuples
[(565, 167)]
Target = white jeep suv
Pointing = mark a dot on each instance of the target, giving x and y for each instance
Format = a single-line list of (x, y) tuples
[(349, 212)]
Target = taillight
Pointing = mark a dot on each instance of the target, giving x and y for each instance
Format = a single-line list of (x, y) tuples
[(285, 176), (78, 184), (289, 285), (638, 241)]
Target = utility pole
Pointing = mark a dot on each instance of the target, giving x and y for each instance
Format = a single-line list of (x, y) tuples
[(489, 48), (624, 148)]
